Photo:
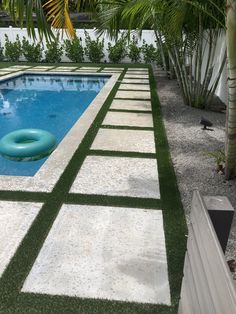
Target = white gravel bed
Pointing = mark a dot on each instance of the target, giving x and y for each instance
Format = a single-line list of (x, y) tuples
[(189, 145)]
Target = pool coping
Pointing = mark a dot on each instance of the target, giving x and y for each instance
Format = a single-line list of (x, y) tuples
[(47, 176)]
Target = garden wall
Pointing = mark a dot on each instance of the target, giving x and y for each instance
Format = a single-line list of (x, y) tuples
[(149, 37)]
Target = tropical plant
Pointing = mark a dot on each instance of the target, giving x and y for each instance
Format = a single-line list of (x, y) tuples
[(74, 50), (31, 51), (134, 50), (13, 50), (117, 51), (94, 48), (1, 53), (54, 51), (149, 52)]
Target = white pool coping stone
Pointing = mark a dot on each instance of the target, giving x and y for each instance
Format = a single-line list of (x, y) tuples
[(125, 141), (15, 220), (103, 252), (48, 175), (128, 119), (118, 176), (129, 104)]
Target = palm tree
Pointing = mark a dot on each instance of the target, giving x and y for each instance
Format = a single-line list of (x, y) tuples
[(230, 145)]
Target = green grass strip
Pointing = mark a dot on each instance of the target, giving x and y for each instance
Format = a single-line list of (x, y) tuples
[(173, 213), (121, 154), (107, 200)]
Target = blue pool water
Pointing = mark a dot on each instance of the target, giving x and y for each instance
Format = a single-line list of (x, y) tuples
[(50, 102)]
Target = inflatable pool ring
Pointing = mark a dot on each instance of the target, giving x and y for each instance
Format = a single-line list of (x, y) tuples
[(27, 144)]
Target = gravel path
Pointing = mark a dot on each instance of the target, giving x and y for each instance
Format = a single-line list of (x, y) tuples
[(189, 145)]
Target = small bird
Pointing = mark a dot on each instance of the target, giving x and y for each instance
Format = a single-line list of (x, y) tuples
[(206, 123)]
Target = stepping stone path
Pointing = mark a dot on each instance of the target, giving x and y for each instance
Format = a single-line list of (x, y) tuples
[(103, 252)]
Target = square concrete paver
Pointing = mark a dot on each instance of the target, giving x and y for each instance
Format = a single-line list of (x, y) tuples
[(15, 220), (122, 176), (86, 71), (137, 73), (125, 141), (125, 104), (20, 66), (133, 94), (135, 87), (103, 252), (128, 119), (90, 68), (113, 69)]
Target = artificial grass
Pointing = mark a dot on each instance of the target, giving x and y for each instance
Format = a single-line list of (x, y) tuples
[(13, 301)]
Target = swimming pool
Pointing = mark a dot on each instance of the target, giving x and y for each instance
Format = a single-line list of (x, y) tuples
[(50, 102)]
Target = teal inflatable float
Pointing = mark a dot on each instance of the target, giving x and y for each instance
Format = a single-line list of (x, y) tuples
[(27, 144)]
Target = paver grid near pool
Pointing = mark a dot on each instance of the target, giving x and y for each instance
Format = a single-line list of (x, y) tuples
[(105, 232)]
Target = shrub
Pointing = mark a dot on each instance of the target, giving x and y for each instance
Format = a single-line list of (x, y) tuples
[(1, 53), (32, 52), (149, 52), (12, 49), (94, 48), (74, 50), (54, 52), (134, 51), (117, 52)]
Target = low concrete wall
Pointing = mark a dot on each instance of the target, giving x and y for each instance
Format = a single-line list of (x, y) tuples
[(207, 286)]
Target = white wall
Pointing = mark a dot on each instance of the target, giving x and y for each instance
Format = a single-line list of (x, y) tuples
[(149, 37)]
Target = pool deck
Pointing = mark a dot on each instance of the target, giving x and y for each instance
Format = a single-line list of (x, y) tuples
[(94, 217)]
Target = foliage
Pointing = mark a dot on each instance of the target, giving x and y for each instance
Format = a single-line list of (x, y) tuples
[(94, 48), (12, 49), (74, 50), (32, 52), (54, 51), (117, 52), (219, 158), (149, 52), (134, 50), (1, 53)]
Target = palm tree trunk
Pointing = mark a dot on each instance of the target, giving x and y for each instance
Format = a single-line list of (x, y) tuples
[(230, 145)]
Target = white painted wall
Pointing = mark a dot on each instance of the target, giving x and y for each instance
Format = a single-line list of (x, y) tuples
[(13, 32), (149, 37)]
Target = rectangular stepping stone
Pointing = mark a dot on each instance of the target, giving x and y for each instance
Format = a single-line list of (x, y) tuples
[(20, 66), (15, 220), (86, 71), (110, 71), (135, 87), (4, 73), (128, 119), (66, 68), (121, 176), (136, 73), (137, 76), (43, 67), (113, 69), (125, 141), (61, 70), (124, 104), (133, 94), (8, 70), (135, 81), (90, 68), (137, 69), (103, 253)]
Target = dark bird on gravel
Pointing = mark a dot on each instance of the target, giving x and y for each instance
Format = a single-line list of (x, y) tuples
[(206, 123)]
